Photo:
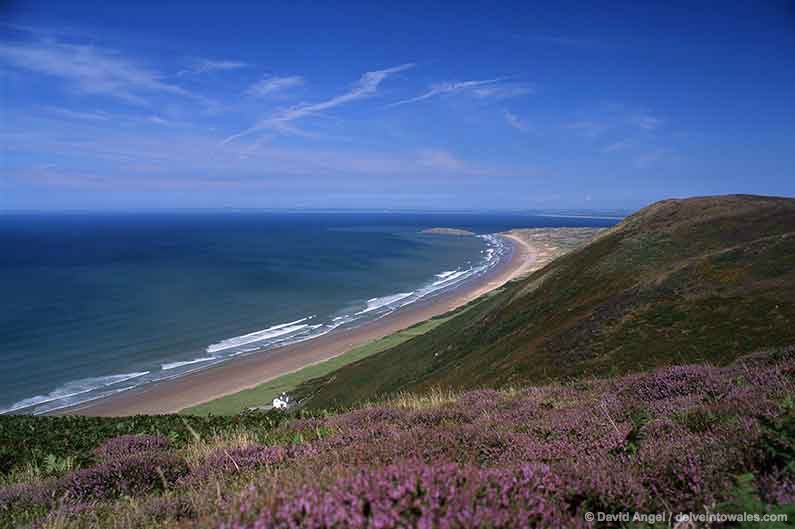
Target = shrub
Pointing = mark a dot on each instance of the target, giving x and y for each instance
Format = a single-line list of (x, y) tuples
[(744, 498), (132, 475), (22, 495), (671, 440), (127, 445), (30, 440), (224, 461), (418, 495), (777, 442)]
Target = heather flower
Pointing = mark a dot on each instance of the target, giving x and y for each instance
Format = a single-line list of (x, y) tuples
[(438, 416), (672, 439), (478, 402), (223, 461), (425, 496), (136, 474), (169, 508), (127, 445), (368, 418), (23, 495), (778, 489)]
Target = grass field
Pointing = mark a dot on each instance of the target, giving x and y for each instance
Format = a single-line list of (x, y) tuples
[(265, 392)]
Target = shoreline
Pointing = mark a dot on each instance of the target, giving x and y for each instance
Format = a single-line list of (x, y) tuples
[(232, 376)]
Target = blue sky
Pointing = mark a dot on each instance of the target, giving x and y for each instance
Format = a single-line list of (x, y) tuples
[(393, 104)]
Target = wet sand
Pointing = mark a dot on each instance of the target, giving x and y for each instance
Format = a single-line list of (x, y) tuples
[(243, 373)]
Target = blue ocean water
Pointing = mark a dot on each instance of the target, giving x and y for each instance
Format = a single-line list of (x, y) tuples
[(96, 303)]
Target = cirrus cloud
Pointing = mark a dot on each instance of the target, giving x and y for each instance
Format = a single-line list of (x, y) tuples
[(274, 84), (201, 66), (91, 70), (515, 121), (447, 88), (281, 120)]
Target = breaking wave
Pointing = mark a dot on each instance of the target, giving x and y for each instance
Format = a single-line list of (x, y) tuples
[(88, 389), (70, 392), (258, 336)]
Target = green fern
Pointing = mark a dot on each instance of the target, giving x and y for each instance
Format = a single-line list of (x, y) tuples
[(745, 499)]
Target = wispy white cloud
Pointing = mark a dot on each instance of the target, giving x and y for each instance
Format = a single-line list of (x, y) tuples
[(515, 121), (157, 120), (190, 159), (90, 70), (645, 160), (101, 118), (281, 121), (617, 118), (439, 159), (504, 90), (448, 88), (79, 115), (589, 129), (647, 122), (165, 122), (271, 85), (618, 146), (201, 66)]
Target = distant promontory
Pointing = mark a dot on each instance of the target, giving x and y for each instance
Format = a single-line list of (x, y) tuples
[(447, 231)]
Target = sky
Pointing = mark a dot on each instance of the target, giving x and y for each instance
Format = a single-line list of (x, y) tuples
[(423, 105)]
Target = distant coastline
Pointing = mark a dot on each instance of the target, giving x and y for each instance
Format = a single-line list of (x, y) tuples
[(448, 231)]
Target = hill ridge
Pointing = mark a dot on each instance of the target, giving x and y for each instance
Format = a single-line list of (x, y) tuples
[(682, 280)]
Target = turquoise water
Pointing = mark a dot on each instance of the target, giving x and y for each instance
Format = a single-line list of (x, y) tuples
[(94, 304)]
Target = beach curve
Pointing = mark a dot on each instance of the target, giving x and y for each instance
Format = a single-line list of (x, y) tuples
[(232, 376)]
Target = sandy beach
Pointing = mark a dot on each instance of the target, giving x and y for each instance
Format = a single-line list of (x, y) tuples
[(242, 373)]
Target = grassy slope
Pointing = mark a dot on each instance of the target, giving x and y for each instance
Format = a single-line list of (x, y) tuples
[(265, 392), (702, 279), (33, 440)]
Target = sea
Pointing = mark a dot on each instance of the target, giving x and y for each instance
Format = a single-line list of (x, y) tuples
[(93, 304)]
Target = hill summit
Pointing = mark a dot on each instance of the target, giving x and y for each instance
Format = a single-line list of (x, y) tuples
[(681, 281)]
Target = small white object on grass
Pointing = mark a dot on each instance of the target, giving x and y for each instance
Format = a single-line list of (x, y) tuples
[(281, 402)]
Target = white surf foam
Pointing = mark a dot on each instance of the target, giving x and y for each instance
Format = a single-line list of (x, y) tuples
[(492, 256), (174, 365), (72, 389), (444, 281), (258, 336), (68, 403), (449, 278), (377, 303)]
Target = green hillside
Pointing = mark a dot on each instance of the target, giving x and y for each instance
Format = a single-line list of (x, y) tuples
[(681, 281)]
